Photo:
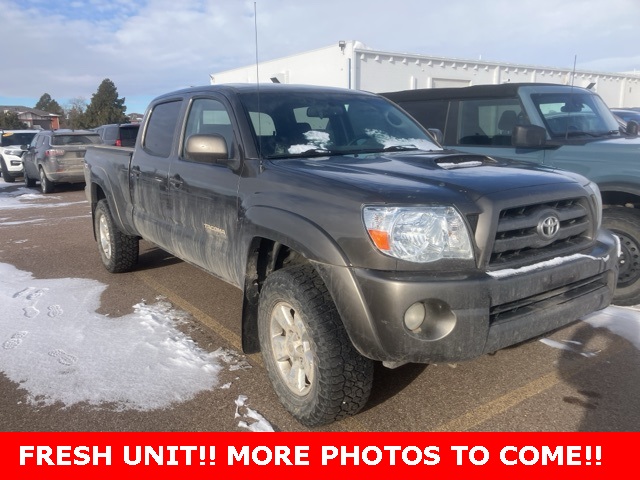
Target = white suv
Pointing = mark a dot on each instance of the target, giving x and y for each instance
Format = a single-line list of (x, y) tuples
[(11, 153)]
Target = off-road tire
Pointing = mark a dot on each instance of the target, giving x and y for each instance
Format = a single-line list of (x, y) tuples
[(625, 223), (118, 251), (28, 181), (46, 185), (339, 380), (8, 178)]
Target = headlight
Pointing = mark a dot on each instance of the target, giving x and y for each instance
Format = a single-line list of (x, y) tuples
[(15, 152), (418, 234), (596, 198)]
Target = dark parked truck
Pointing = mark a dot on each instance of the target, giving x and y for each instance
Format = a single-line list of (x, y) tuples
[(353, 236), (556, 125)]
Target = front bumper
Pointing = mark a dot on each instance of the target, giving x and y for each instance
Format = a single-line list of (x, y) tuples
[(14, 165), (473, 313)]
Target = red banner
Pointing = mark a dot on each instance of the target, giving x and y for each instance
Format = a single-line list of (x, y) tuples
[(314, 455)]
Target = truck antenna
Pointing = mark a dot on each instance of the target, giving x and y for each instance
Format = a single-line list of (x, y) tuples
[(573, 76), (255, 27)]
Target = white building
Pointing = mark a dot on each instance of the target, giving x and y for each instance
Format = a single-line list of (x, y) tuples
[(351, 64)]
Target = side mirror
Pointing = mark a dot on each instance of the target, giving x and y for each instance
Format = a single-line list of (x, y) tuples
[(528, 136), (206, 148), (437, 135), (632, 127)]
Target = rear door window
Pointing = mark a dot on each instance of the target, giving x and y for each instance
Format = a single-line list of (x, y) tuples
[(488, 122), (161, 128)]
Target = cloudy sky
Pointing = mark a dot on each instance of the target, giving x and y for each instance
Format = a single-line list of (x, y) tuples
[(149, 47)]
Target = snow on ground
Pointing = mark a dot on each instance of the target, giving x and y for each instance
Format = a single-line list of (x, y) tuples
[(623, 321), (258, 422), (60, 351), (24, 197)]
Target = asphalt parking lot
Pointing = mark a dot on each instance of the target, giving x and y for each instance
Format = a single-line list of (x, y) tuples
[(580, 378)]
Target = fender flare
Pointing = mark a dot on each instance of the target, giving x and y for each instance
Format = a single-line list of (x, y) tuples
[(321, 250), (294, 231), (100, 179)]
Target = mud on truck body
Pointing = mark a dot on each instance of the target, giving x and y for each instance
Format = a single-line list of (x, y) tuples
[(353, 236)]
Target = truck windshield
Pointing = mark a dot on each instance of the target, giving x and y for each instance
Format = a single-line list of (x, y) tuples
[(575, 114), (287, 124)]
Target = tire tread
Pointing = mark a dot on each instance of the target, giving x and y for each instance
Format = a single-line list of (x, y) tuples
[(344, 376)]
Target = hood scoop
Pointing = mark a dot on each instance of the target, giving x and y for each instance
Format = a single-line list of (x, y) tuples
[(451, 162)]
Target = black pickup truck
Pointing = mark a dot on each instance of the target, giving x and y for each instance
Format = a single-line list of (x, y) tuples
[(354, 237)]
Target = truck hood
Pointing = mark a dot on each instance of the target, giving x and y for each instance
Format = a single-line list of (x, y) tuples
[(393, 173)]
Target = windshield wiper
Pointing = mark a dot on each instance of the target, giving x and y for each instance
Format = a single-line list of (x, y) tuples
[(578, 133), (312, 152), (391, 148)]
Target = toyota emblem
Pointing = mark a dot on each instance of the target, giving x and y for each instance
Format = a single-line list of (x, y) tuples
[(548, 227)]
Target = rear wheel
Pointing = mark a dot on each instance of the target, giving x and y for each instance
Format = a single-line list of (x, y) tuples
[(118, 251), (46, 185), (625, 224), (315, 370)]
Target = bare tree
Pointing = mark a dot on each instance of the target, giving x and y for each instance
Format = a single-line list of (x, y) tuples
[(74, 113)]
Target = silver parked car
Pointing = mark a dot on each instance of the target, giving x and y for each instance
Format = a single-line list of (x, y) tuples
[(57, 156)]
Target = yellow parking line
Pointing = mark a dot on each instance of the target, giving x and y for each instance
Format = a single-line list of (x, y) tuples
[(501, 404), (489, 410), (232, 338)]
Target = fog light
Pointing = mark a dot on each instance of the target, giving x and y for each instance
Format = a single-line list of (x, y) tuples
[(414, 316), (431, 319)]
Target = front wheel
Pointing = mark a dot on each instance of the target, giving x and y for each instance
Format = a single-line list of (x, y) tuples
[(315, 370), (28, 181), (118, 251), (625, 224), (8, 178)]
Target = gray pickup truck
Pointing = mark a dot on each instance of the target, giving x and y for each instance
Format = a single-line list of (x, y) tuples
[(555, 125), (353, 236)]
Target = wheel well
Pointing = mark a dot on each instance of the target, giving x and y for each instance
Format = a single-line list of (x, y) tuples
[(622, 199), (97, 194), (265, 257)]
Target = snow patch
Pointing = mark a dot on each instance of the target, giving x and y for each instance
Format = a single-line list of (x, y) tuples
[(622, 321), (24, 198), (448, 166), (510, 272), (59, 350), (564, 346), (258, 423)]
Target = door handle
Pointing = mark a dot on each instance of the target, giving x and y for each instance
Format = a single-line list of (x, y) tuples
[(176, 181)]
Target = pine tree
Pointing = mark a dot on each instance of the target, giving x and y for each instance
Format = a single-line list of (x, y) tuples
[(48, 104), (105, 106), (10, 121)]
